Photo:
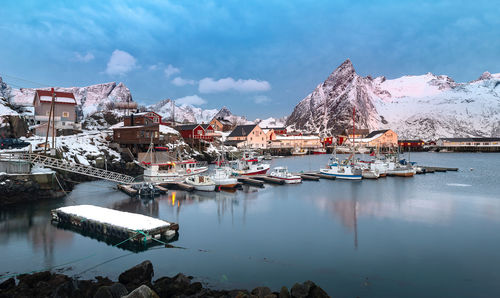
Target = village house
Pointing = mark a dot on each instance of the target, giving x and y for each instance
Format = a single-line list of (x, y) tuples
[(250, 136), (385, 138), (191, 132), (221, 124), (350, 134), (411, 144), (144, 118), (65, 117), (469, 144), (297, 141), (277, 130)]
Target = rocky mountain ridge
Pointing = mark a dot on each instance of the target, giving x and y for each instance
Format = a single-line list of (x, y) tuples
[(425, 106)]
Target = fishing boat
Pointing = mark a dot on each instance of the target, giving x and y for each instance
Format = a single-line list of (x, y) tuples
[(370, 174), (249, 164), (268, 156), (202, 183), (342, 170), (283, 174), (319, 151), (172, 171), (223, 177), (347, 169), (299, 151)]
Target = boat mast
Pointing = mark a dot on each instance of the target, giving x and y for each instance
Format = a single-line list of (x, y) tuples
[(353, 133)]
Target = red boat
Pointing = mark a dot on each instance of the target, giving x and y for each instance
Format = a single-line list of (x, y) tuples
[(319, 151)]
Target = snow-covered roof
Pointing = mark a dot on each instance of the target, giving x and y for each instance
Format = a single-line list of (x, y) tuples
[(60, 97), (164, 129)]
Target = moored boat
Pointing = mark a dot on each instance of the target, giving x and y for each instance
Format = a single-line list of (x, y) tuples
[(283, 174), (299, 151), (199, 182), (342, 170), (370, 174), (222, 177), (319, 151)]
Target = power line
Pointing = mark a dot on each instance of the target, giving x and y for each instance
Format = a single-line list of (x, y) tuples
[(21, 79)]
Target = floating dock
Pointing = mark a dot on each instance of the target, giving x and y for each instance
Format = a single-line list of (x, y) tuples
[(268, 179), (177, 185), (250, 181), (308, 177), (138, 228)]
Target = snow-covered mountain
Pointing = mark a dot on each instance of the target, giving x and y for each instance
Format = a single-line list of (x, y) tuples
[(190, 114), (183, 113), (425, 106), (271, 122), (90, 99)]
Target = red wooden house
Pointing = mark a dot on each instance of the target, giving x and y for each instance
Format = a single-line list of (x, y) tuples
[(413, 144), (197, 132)]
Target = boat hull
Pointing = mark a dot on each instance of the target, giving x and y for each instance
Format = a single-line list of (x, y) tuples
[(341, 176), (290, 180), (243, 173)]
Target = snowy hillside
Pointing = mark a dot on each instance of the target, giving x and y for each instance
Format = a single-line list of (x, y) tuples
[(90, 99), (183, 113), (271, 122), (425, 106)]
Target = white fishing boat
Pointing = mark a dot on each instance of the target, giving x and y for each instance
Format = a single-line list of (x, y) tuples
[(222, 176), (299, 151), (397, 169), (249, 164), (342, 170), (268, 156), (199, 182), (370, 174), (172, 171), (283, 174)]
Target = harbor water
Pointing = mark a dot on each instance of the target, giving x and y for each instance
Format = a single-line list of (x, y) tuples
[(430, 235)]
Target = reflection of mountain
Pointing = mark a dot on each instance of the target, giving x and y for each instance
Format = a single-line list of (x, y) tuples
[(35, 225), (140, 206), (426, 211)]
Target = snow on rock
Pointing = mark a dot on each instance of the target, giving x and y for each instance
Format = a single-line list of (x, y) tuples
[(82, 148), (183, 113), (127, 220), (271, 122), (425, 106)]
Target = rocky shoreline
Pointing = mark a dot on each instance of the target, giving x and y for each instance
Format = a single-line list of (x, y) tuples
[(137, 282)]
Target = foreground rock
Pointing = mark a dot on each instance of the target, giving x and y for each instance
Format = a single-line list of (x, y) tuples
[(136, 283)]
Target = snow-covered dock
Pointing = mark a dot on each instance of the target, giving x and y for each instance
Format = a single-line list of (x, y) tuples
[(117, 224)]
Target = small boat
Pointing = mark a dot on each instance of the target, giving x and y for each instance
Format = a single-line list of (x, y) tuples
[(283, 174), (222, 177), (249, 165), (268, 156), (203, 183), (319, 151), (370, 174), (299, 151), (342, 170)]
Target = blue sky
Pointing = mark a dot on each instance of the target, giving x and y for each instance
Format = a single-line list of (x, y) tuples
[(259, 58)]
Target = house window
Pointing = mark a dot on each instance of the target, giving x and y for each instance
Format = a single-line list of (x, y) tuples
[(156, 134), (200, 132), (118, 135), (65, 114)]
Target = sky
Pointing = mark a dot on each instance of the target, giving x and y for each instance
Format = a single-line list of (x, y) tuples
[(258, 58)]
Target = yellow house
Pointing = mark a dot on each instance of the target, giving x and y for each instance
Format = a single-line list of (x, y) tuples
[(248, 136)]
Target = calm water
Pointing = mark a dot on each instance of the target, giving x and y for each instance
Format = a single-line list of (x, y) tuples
[(431, 235)]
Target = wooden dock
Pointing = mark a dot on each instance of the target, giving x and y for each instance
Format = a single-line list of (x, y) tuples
[(308, 177), (438, 169), (128, 189), (268, 179), (177, 185), (115, 224), (250, 181)]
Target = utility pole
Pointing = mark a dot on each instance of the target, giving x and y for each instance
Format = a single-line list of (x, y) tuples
[(51, 112)]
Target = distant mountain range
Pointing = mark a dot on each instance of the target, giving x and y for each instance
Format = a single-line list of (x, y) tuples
[(425, 106)]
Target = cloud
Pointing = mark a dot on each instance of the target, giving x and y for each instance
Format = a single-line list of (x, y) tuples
[(178, 81), (120, 63), (153, 67), (171, 70), (261, 99), (193, 100), (209, 85), (84, 58)]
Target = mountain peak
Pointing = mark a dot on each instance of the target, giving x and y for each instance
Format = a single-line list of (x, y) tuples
[(343, 71)]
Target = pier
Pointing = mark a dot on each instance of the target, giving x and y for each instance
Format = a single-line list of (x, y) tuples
[(137, 228)]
